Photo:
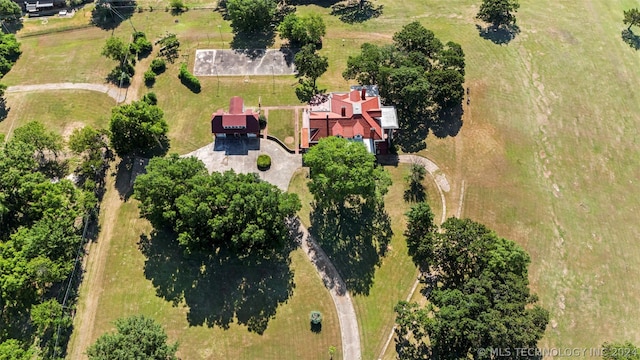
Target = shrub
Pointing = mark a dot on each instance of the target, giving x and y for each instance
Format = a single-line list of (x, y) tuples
[(177, 6), (149, 78), (264, 162), (158, 66), (150, 98), (316, 317), (263, 121), (187, 79)]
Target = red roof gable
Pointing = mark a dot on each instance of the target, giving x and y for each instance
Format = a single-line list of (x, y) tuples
[(236, 105)]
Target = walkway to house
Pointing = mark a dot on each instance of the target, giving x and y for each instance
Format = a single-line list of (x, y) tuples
[(117, 94)]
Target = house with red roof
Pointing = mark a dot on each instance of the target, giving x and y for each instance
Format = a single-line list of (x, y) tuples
[(238, 122), (357, 115)]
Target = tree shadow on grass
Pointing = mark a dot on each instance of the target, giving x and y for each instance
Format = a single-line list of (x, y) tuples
[(411, 135), (448, 122), (252, 45), (218, 288), (498, 34), (356, 12), (356, 239), (631, 39)]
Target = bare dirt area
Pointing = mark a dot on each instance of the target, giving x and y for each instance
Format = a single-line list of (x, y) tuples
[(94, 265)]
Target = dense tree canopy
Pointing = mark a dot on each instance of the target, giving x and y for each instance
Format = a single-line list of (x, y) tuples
[(137, 128), (417, 74), (9, 52), (137, 337), (40, 232), (477, 288), (237, 212), (302, 30), (251, 16), (498, 12), (343, 172), (10, 10), (12, 349)]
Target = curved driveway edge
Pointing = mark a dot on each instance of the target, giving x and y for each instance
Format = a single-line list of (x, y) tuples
[(349, 332), (112, 91), (443, 186)]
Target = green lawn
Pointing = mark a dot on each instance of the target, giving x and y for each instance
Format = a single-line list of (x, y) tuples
[(549, 154), (547, 151), (282, 124), (394, 276), (195, 302), (61, 111)]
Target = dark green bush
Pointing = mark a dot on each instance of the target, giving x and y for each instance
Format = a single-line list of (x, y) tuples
[(158, 66), (264, 162), (149, 78), (187, 79), (263, 121), (150, 98)]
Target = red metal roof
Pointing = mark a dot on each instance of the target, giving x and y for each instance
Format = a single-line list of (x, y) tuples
[(236, 105)]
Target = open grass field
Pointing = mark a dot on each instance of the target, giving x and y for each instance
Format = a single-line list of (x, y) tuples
[(547, 152), (395, 274), (61, 111)]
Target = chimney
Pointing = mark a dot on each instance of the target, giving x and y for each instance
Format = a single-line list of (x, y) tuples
[(363, 93), (343, 112), (328, 133)]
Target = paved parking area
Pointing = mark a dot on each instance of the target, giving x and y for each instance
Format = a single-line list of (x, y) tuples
[(241, 155), (217, 62)]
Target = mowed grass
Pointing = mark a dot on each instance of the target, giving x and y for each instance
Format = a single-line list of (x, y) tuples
[(59, 111), (549, 155), (128, 288), (396, 273), (554, 108), (282, 124)]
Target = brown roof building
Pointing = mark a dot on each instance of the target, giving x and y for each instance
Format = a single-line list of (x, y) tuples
[(236, 122), (357, 115)]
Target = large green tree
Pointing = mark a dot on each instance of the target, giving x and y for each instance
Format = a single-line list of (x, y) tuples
[(498, 12), (138, 128), (10, 10), (344, 173), (251, 16), (9, 52), (136, 337), (418, 75), (310, 66), (477, 288), (302, 30), (35, 134), (230, 211)]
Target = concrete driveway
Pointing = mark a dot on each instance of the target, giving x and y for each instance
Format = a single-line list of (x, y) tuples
[(241, 155)]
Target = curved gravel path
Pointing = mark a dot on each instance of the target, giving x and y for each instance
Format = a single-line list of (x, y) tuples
[(112, 91)]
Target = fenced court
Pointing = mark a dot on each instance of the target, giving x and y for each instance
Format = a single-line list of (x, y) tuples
[(243, 62)]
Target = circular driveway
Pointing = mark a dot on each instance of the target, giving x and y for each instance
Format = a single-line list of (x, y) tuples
[(241, 156)]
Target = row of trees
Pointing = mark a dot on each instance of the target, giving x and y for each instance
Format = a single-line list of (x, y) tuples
[(42, 218)]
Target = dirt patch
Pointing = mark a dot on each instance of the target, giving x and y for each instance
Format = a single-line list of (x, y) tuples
[(69, 128), (93, 283)]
